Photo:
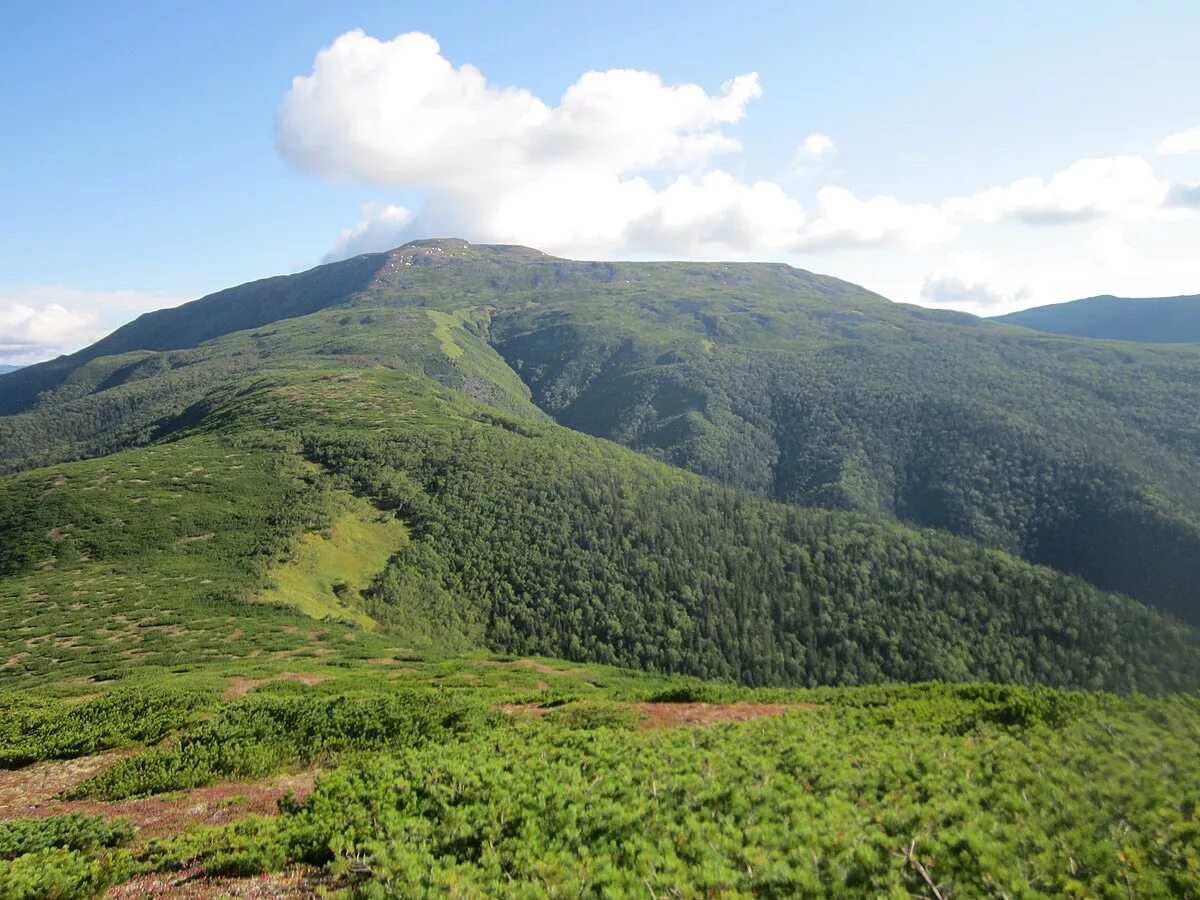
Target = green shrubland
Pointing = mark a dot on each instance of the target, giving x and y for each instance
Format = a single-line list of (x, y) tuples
[(893, 793)]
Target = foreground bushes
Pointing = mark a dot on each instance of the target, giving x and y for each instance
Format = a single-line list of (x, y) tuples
[(851, 800), (260, 735), (33, 729), (62, 856)]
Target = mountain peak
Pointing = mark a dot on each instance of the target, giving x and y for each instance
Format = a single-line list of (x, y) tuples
[(436, 244)]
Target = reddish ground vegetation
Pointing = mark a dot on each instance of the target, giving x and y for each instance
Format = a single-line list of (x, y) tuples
[(680, 715), (240, 686), (30, 792)]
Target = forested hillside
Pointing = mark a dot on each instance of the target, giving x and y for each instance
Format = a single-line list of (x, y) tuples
[(1160, 320), (1077, 455), (525, 536)]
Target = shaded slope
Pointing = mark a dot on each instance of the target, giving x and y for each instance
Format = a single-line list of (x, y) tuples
[(1167, 320)]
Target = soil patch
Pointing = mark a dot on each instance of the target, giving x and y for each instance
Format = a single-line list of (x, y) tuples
[(30, 793), (535, 666), (679, 715), (240, 686)]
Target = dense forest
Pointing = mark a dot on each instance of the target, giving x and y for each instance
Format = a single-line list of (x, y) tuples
[(542, 544)]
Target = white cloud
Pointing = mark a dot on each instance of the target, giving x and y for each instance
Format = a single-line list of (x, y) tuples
[(29, 333), (1109, 247), (399, 113), (971, 281), (625, 165), (845, 220), (1181, 142), (1119, 187), (815, 147), (383, 226), (619, 166), (43, 321)]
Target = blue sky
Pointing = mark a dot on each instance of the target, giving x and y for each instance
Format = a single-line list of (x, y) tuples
[(142, 165)]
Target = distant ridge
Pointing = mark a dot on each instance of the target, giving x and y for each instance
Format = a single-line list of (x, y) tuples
[(1156, 320), (5, 368)]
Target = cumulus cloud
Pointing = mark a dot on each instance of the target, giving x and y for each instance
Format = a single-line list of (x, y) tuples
[(399, 113), (971, 281), (1181, 142), (1120, 187), (43, 321), (815, 147), (621, 164)]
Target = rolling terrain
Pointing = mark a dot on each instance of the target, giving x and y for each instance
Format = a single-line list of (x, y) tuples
[(589, 577)]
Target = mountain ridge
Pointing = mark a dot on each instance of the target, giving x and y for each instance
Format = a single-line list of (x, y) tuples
[(786, 384), (1147, 319)]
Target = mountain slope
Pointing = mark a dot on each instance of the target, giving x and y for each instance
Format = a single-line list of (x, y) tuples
[(524, 536), (792, 386), (1166, 320)]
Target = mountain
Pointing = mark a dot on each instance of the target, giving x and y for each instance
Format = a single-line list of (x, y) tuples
[(435, 381), (1158, 320), (791, 386), (429, 572), (5, 368)]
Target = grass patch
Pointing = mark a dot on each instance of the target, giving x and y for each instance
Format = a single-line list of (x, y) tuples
[(328, 570)]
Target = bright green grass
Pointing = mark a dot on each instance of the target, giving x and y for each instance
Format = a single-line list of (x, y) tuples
[(443, 333), (327, 571)]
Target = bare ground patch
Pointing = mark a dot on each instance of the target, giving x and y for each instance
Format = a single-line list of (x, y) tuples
[(679, 715), (240, 686), (534, 665), (298, 881), (30, 793)]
